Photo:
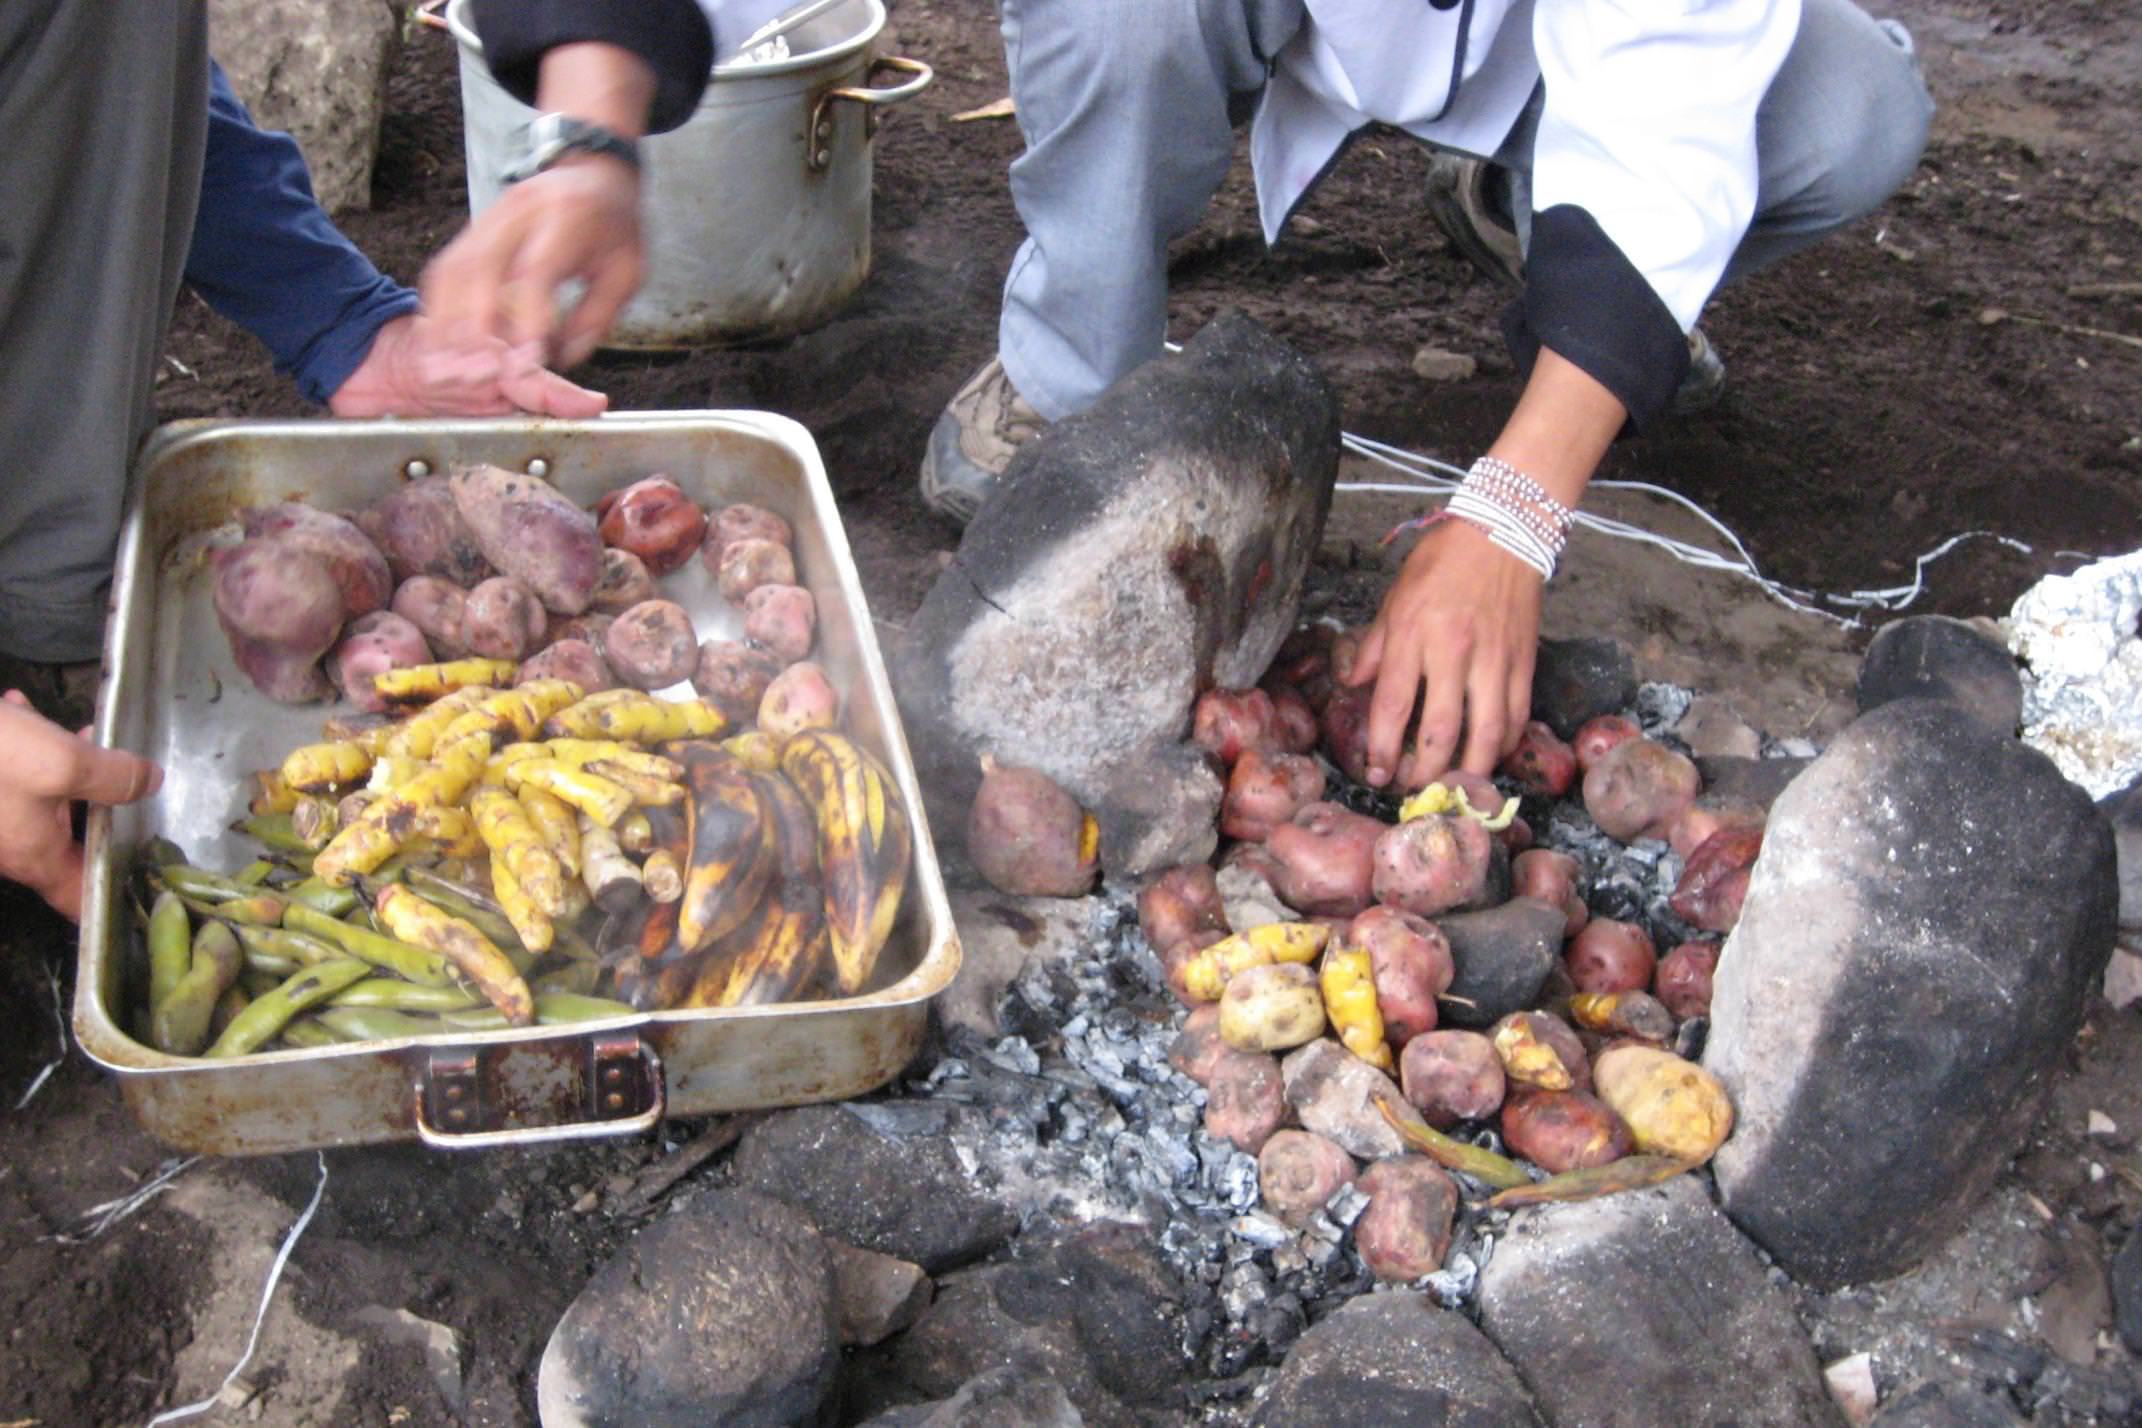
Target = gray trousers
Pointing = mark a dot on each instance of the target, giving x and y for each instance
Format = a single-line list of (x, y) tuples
[(1127, 107), (105, 107)]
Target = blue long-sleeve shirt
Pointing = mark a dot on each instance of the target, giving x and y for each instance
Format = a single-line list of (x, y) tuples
[(266, 255)]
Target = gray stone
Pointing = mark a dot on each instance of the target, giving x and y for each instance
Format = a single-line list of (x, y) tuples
[(1438, 364), (2126, 1280), (317, 70), (1096, 1314), (1578, 680), (1931, 912), (1713, 728), (2124, 811), (1333, 1093), (1935, 657), (906, 1198), (1645, 1308), (874, 1295), (443, 1350), (1502, 955), (1395, 1358), (1000, 1398), (1756, 781), (1139, 552), (1000, 937), (1947, 1405), (720, 1312)]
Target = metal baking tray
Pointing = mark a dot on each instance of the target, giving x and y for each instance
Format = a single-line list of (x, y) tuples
[(172, 692)]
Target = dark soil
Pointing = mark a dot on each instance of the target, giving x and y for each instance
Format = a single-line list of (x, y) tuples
[(1880, 401)]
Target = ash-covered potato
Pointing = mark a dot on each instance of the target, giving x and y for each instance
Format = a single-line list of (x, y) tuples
[(419, 530), (782, 619), (360, 571), (1245, 1099), (1027, 836), (653, 519), (1275, 1007), (1227, 723), (1683, 980), (1411, 961), (1563, 1130), (1265, 790), (1345, 730), (625, 581), (529, 531), (1434, 864), (1638, 788), (1548, 876), (798, 698), (574, 660), (1197, 1047), (1326, 856), (1596, 737), (281, 609), (503, 619), (435, 606), (1541, 763), (1297, 1171), (735, 677), (751, 562), (652, 645), (1715, 882), (1608, 955), (731, 524), (1452, 1076), (1405, 1231), (1176, 961), (373, 644), (1179, 903), (1541, 1050)]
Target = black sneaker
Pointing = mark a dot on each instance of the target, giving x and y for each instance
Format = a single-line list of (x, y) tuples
[(974, 440)]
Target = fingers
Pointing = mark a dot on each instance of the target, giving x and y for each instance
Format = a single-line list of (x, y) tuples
[(548, 394), (17, 698), (1487, 718), (612, 280), (460, 287), (1519, 695), (1368, 657), (112, 776), (1442, 711), (1390, 706)]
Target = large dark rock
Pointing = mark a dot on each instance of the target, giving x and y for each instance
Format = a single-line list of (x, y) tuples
[(1139, 552), (1932, 909), (2125, 1279), (1645, 1308), (1578, 680), (906, 1197), (316, 69), (1395, 1358), (1000, 1398), (721, 1312), (1095, 1314), (1946, 1405), (2124, 811), (1757, 781), (1935, 657), (1502, 956)]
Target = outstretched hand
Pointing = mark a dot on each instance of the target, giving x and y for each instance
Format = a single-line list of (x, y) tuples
[(46, 772), (414, 370)]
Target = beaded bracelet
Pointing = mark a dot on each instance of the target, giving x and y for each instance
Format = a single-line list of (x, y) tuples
[(1515, 511)]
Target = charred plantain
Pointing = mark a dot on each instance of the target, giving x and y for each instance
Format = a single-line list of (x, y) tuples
[(864, 846)]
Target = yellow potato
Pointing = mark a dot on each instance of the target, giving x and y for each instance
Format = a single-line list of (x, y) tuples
[(1672, 1106)]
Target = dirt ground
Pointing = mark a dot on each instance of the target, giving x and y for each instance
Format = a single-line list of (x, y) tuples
[(1942, 367)]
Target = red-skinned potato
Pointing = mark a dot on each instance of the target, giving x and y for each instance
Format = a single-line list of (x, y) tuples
[(1550, 877), (1197, 1047), (735, 677), (1607, 955), (1180, 903), (1707, 815), (751, 562), (1516, 837), (1638, 788), (420, 532), (1715, 882), (1294, 722), (1345, 730), (373, 644), (654, 520), (782, 619), (798, 698), (1229, 722), (1305, 654), (625, 581), (1025, 835), (1541, 1050), (435, 606), (1683, 980), (1245, 1099), (1596, 736), (1433, 864), (1563, 1130), (1452, 1076), (1326, 857), (359, 569), (1541, 763), (1405, 1231), (1297, 1171), (741, 522), (1410, 959), (576, 660), (591, 628), (503, 619), (652, 645), (1264, 791), (281, 610)]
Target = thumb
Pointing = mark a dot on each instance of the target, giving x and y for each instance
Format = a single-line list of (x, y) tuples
[(114, 776), (546, 393)]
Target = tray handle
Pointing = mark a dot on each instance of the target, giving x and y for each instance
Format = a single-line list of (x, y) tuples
[(627, 1096)]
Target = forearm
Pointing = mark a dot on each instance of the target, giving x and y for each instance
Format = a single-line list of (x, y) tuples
[(1561, 427), (602, 83), (642, 64)]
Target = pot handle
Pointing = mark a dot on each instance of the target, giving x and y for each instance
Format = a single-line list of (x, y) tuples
[(820, 155), (626, 1095)]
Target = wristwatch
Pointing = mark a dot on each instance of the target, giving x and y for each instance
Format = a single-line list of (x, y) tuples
[(548, 138)]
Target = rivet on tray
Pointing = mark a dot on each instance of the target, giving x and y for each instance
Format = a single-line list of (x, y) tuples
[(417, 470), (615, 1101), (537, 466)]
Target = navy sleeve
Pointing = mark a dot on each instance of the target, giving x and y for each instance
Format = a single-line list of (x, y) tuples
[(673, 36), (266, 256)]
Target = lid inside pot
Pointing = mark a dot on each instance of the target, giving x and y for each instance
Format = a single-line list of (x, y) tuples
[(744, 47)]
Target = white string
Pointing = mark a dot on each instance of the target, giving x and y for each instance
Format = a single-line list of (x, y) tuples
[(59, 1058), (267, 1293), (99, 1218)]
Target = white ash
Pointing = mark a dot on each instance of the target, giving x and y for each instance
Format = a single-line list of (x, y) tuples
[(1630, 882), (2076, 638), (1659, 707)]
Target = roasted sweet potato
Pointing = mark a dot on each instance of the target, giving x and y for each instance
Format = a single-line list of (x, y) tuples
[(1607, 955), (1410, 958), (1297, 1171), (1275, 1007), (527, 530), (281, 609), (652, 645), (576, 660), (1405, 1231), (1683, 980), (435, 606), (741, 522), (419, 530), (1550, 877), (1245, 1099), (798, 698), (1179, 903), (1229, 722), (1025, 835), (1541, 763), (1265, 790), (1345, 729), (1563, 1130), (1541, 1050), (1715, 881), (503, 619), (378, 641), (782, 619), (1326, 857), (360, 571), (1638, 788), (1434, 864), (654, 520), (735, 676), (1452, 1076), (749, 563), (625, 582)]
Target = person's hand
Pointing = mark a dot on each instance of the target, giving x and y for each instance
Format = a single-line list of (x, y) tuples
[(1458, 633), (412, 370), (46, 771), (579, 219)]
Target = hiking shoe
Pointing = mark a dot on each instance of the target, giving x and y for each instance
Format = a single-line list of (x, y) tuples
[(974, 440), (1705, 382), (1468, 199)]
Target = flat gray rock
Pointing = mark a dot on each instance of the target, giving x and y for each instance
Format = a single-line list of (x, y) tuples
[(1936, 657), (1946, 1405), (1502, 955), (1931, 912), (1000, 1398), (317, 70), (1646, 1308), (1395, 1358), (1139, 553)]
